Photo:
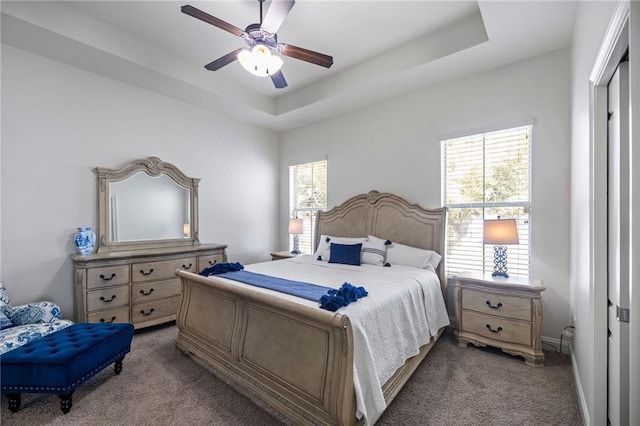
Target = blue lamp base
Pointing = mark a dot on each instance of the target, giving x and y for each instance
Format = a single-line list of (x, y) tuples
[(296, 245), (500, 261)]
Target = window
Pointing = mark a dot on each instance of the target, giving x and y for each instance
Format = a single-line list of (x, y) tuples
[(307, 195), (486, 176)]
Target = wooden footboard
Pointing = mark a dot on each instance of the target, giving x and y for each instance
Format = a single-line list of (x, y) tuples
[(297, 358)]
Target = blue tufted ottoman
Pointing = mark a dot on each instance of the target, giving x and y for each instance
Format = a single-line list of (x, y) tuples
[(61, 361)]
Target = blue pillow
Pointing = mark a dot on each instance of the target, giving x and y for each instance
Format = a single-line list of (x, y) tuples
[(347, 254)]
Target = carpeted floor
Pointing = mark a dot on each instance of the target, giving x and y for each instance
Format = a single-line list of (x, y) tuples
[(453, 386)]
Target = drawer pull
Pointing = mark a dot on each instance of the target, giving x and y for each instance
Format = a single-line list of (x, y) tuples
[(113, 296), (187, 267), (147, 293), (494, 331), (147, 313), (214, 262), (498, 306), (103, 278), (146, 273), (112, 319)]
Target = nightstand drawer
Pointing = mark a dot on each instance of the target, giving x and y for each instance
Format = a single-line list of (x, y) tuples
[(497, 328), (497, 304), (279, 255)]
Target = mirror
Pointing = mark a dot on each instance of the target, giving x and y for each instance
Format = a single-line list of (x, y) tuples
[(144, 207), (146, 203)]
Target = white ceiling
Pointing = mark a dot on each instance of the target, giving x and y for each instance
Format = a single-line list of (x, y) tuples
[(381, 49)]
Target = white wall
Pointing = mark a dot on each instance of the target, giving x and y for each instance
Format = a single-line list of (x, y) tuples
[(591, 23), (59, 122), (395, 147)]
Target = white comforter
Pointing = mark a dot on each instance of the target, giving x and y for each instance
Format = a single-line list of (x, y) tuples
[(403, 310)]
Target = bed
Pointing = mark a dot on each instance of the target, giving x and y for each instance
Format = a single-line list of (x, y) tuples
[(306, 362)]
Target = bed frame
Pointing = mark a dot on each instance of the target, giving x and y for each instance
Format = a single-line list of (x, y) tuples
[(297, 358)]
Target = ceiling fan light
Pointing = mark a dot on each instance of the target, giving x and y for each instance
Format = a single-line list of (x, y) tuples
[(259, 61)]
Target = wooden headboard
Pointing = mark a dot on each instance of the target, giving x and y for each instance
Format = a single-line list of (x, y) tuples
[(389, 217)]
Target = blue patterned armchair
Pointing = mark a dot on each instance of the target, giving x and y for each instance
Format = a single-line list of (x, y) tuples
[(24, 323)]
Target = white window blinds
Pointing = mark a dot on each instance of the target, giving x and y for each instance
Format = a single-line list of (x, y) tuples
[(486, 176), (307, 195)]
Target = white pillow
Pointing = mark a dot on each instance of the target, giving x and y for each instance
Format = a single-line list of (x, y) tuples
[(324, 246), (399, 254), (374, 251)]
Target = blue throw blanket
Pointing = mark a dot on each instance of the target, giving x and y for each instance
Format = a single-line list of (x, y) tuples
[(329, 298), (346, 294), (220, 268), (305, 290)]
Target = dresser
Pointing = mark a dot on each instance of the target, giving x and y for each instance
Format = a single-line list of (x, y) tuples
[(500, 312), (136, 286)]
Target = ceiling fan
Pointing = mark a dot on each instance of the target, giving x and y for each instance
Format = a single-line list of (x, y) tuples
[(261, 39)]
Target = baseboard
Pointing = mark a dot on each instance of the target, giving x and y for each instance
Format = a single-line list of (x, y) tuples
[(548, 342), (581, 398)]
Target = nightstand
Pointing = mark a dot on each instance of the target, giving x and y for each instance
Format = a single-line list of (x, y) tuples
[(278, 255), (501, 312)]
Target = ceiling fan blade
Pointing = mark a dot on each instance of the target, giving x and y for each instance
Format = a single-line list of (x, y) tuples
[(278, 80), (204, 16), (278, 10), (306, 55), (222, 61)]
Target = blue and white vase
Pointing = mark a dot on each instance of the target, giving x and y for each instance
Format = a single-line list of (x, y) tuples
[(85, 240)]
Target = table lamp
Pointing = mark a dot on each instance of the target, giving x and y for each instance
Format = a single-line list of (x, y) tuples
[(500, 232), (295, 228)]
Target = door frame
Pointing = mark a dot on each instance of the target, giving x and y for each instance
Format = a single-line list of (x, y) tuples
[(634, 243), (624, 22), (618, 246)]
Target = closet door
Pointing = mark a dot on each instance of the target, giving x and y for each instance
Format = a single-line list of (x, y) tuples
[(618, 247)]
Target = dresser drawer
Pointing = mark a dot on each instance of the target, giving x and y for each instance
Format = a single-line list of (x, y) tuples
[(107, 298), (149, 311), (149, 271), (208, 261), (504, 330), (108, 276), (110, 315), (497, 304), (143, 292)]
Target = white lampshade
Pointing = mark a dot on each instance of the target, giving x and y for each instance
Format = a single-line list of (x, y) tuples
[(259, 61), (295, 226), (500, 231)]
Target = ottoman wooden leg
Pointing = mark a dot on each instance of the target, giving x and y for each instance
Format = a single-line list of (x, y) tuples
[(14, 401), (66, 402), (117, 367)]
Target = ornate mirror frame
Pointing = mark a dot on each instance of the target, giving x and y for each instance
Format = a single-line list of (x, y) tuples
[(152, 166)]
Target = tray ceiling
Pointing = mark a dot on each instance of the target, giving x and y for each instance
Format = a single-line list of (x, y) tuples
[(381, 49)]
